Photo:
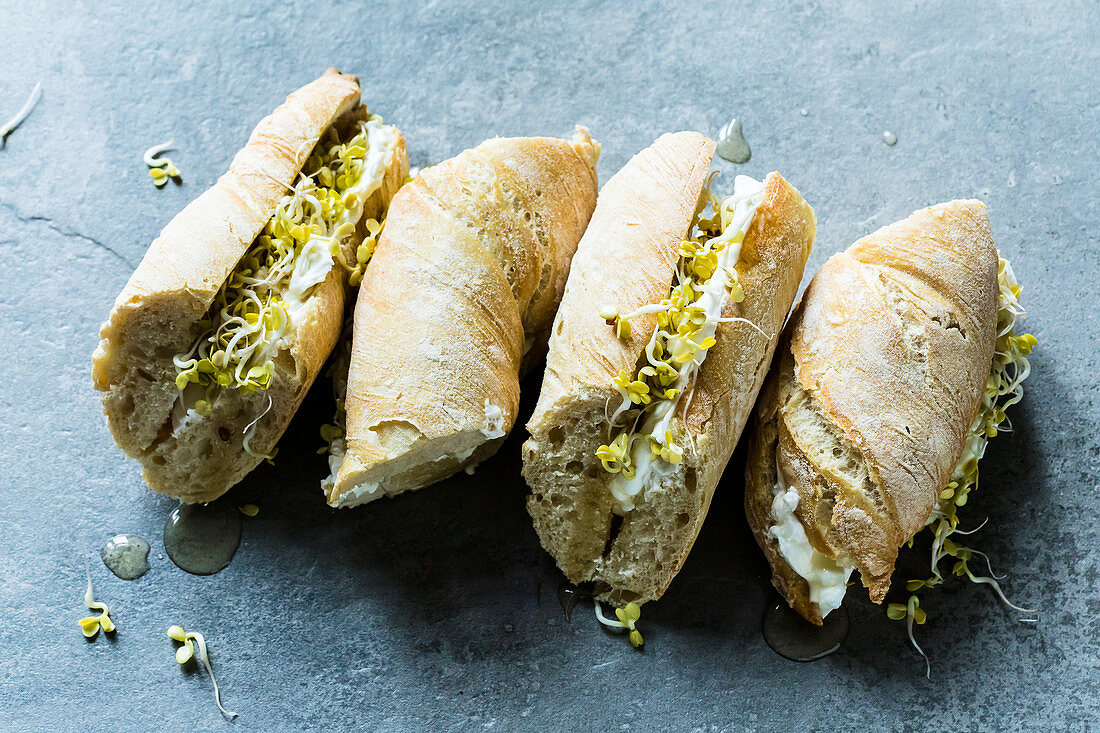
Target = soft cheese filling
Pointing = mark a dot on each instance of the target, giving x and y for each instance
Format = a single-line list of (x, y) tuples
[(494, 422), (251, 319), (687, 322), (826, 578)]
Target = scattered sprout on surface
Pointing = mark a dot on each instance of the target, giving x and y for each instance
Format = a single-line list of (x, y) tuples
[(912, 613), (91, 625), (627, 617), (32, 101), (161, 169), (1003, 388), (193, 643), (249, 510)]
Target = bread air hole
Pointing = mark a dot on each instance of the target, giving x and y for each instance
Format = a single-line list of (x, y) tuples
[(556, 436), (691, 481), (613, 533), (574, 467), (949, 322), (682, 519)]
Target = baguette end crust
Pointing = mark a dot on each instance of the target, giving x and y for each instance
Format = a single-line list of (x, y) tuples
[(876, 384), (636, 558), (155, 315), (483, 242)]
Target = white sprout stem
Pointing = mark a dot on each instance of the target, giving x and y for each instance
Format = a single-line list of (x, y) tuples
[(606, 416), (276, 180), (205, 659), (988, 564), (626, 403), (687, 404), (972, 531), (259, 417), (89, 596), (646, 309), (909, 615), (249, 431), (21, 115), (733, 319), (610, 623), (1000, 594), (150, 156)]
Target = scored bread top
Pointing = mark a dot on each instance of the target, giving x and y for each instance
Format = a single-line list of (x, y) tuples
[(470, 265), (626, 257), (875, 389), (200, 246), (769, 269)]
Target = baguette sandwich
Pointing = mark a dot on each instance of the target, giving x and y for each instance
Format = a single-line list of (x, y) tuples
[(225, 323), (456, 305), (893, 373), (672, 311)]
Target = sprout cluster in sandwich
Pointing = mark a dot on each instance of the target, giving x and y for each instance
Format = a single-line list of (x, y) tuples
[(687, 323), (252, 314)]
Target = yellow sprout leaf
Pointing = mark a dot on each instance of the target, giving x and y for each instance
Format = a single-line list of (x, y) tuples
[(89, 626), (185, 652), (609, 312)]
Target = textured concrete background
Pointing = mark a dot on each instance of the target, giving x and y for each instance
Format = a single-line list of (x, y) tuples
[(396, 616)]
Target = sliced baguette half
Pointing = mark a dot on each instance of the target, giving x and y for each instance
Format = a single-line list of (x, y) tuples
[(155, 317), (467, 275), (628, 256), (873, 390)]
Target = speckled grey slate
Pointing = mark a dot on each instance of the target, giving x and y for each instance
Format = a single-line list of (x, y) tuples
[(396, 616)]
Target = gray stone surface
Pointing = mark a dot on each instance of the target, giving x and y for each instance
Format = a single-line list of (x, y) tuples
[(396, 616)]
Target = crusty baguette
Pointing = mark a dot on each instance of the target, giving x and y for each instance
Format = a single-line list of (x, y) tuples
[(156, 314), (471, 264), (877, 381), (627, 257)]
